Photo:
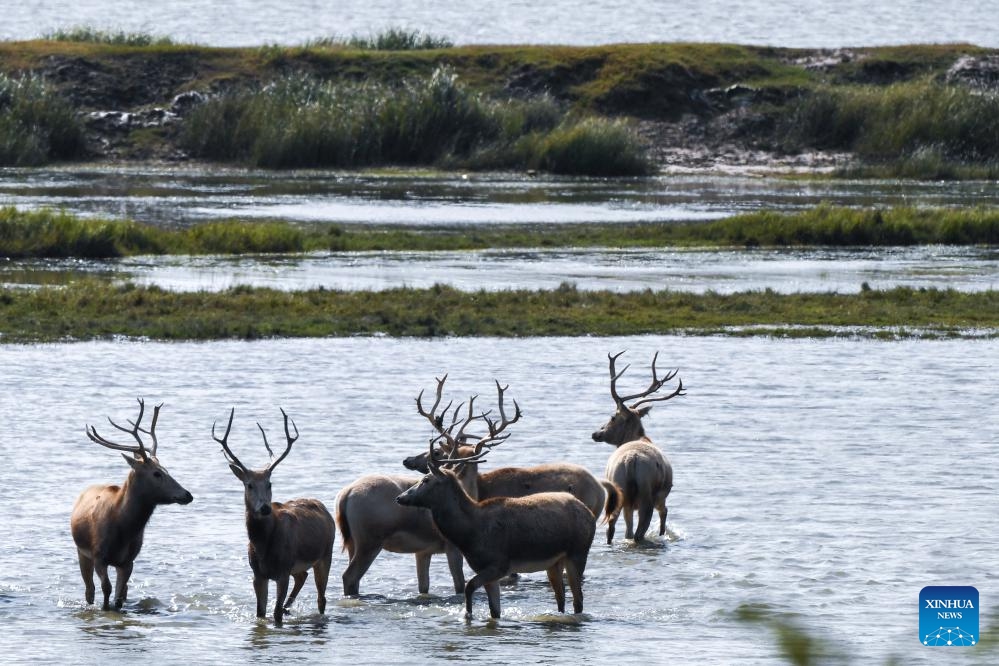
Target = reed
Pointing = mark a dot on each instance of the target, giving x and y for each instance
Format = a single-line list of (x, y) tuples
[(391, 39), (36, 124), (92, 35), (301, 121), (920, 125)]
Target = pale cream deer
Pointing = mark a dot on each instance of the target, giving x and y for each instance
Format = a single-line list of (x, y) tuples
[(637, 467)]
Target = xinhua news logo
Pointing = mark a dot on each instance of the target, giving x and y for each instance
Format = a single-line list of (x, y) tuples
[(948, 616)]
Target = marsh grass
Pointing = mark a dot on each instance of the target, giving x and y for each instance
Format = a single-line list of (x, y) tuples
[(36, 124), (302, 121), (92, 309), (51, 233), (92, 35), (921, 126), (391, 39)]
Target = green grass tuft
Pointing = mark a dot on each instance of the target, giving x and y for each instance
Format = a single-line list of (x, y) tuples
[(391, 39), (36, 124), (301, 121), (92, 35)]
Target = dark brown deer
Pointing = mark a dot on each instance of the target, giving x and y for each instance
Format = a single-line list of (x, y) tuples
[(638, 467), (286, 539), (504, 535), (370, 521), (109, 521)]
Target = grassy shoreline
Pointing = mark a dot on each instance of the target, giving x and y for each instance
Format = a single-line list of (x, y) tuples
[(911, 110), (94, 310), (50, 233)]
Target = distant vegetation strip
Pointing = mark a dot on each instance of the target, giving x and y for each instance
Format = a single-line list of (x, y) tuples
[(51, 233), (920, 128), (303, 121), (96, 310)]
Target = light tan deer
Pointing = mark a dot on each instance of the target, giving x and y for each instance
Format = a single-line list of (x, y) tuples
[(638, 467), (286, 539), (370, 521), (109, 521), (504, 535)]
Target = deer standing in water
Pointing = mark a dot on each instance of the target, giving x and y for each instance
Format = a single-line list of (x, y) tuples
[(109, 521), (286, 539), (519, 481), (504, 535), (638, 467), (370, 521)]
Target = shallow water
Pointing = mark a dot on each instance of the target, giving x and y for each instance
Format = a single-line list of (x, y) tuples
[(827, 479), (843, 270), (775, 22), (186, 195)]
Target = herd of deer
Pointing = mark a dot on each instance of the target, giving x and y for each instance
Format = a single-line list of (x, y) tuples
[(510, 520)]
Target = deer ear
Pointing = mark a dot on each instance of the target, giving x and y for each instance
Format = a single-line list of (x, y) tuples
[(133, 462), (238, 472), (644, 411)]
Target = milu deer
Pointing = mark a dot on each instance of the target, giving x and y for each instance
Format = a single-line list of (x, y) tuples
[(504, 535), (519, 481), (109, 521), (370, 521), (638, 467), (286, 539)]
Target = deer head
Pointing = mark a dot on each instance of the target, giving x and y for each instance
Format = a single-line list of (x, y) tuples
[(256, 483), (148, 479), (626, 423)]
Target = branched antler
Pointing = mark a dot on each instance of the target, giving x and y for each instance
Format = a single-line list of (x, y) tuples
[(656, 384), (138, 451)]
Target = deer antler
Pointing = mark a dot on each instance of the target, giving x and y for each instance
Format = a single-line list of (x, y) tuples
[(656, 384), (229, 455), (495, 430), (137, 451), (287, 434)]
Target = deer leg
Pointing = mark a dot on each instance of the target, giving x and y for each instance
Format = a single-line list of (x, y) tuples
[(493, 595), (628, 518), (87, 571), (455, 563), (574, 572), (279, 596), (260, 590), (123, 573), (661, 507), (491, 574), (357, 567), (644, 518), (423, 571), (558, 584), (321, 574), (102, 573), (299, 582)]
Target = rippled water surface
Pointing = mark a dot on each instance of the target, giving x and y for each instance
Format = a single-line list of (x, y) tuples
[(774, 22), (827, 480)]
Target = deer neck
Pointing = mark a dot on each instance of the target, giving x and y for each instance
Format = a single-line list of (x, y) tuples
[(133, 509), (456, 516), (260, 529)]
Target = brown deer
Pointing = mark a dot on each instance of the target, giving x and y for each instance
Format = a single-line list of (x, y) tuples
[(370, 521), (109, 521), (544, 531), (638, 467), (286, 539)]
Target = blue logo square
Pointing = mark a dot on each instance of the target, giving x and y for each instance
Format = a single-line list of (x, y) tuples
[(948, 616)]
